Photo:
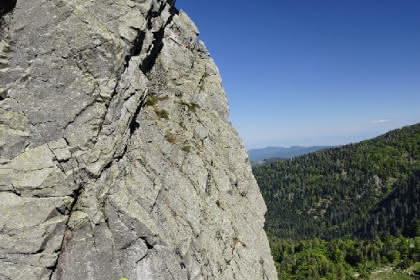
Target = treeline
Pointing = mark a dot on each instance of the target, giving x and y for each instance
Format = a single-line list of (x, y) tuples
[(358, 190), (343, 259)]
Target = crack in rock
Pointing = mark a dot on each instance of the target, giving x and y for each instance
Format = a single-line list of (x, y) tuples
[(157, 43), (6, 6)]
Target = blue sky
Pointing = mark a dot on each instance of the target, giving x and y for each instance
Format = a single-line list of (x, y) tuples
[(309, 72)]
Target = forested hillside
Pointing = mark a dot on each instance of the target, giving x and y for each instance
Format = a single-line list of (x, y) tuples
[(348, 212), (365, 189)]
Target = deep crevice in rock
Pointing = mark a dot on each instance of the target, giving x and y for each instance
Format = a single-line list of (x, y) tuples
[(136, 47), (148, 244), (3, 95), (157, 43), (134, 125), (150, 60), (6, 6), (154, 14)]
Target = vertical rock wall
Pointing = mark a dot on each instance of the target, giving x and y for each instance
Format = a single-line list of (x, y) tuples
[(116, 156)]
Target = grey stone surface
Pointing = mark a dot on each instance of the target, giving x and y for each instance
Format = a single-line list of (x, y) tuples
[(116, 155)]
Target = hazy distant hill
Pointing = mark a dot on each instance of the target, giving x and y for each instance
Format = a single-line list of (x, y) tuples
[(365, 189), (281, 152)]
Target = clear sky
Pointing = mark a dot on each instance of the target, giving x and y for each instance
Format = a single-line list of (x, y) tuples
[(314, 72)]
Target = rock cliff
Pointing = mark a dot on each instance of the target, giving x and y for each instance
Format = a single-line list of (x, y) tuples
[(116, 155)]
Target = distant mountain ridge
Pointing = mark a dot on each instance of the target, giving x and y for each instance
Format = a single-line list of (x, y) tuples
[(282, 152)]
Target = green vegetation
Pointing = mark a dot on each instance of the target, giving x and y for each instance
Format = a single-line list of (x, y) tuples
[(415, 269), (151, 100), (344, 259), (186, 148), (170, 137), (362, 200), (366, 189), (162, 113), (191, 106)]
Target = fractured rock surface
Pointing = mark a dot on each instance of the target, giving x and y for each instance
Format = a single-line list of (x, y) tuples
[(116, 155)]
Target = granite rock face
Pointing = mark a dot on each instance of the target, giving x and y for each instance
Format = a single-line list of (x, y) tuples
[(116, 155)]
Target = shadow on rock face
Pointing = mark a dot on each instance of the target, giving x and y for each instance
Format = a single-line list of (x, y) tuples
[(7, 6)]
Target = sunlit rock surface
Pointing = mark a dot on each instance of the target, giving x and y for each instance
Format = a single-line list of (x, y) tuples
[(116, 155)]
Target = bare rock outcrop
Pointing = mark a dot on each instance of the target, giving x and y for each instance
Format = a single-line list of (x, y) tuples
[(116, 155)]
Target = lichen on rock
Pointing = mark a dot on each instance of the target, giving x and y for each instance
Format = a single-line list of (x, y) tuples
[(116, 155)]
